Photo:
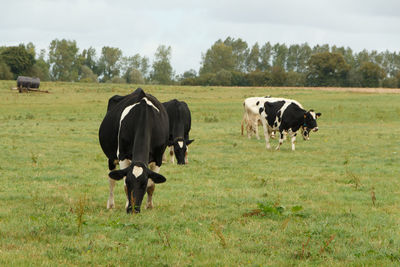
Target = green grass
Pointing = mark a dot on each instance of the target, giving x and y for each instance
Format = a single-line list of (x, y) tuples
[(235, 204)]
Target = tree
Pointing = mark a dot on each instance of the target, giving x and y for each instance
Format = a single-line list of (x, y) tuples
[(265, 57), (89, 59), (64, 61), (371, 74), (292, 58), (253, 59), (41, 68), (218, 57), (327, 69), (223, 77), (5, 72), (135, 76), (162, 70), (18, 59), (279, 55), (240, 52), (109, 63), (278, 76), (303, 57), (87, 75)]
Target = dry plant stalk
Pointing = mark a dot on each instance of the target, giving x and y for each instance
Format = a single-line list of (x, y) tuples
[(218, 232), (322, 250), (373, 198)]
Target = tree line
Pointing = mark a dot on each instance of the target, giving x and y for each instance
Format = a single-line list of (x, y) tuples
[(229, 62)]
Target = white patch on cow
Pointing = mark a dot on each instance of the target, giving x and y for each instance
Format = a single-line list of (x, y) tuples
[(137, 171), (180, 144), (313, 115), (126, 112), (148, 102)]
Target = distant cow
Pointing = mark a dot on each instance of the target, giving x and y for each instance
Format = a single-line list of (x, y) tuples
[(287, 116), (134, 133), (179, 127), (28, 82)]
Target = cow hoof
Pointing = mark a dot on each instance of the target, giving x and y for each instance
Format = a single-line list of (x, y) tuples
[(110, 205), (149, 206)]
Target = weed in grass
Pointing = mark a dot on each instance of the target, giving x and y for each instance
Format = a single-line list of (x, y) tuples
[(210, 119), (373, 197), (218, 232), (34, 158), (80, 211), (164, 237)]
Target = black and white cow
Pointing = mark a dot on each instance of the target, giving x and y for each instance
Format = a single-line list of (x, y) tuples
[(134, 134), (179, 127), (287, 116)]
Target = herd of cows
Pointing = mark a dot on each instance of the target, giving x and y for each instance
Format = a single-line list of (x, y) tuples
[(137, 129)]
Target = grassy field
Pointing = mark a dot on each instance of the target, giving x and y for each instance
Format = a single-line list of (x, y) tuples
[(333, 201)]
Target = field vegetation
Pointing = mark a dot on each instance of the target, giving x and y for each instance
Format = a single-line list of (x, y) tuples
[(333, 201)]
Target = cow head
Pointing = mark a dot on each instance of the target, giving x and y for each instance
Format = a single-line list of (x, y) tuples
[(310, 123), (180, 149), (137, 177)]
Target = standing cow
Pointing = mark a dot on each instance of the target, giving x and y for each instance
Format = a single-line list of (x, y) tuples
[(287, 116), (134, 133), (179, 127)]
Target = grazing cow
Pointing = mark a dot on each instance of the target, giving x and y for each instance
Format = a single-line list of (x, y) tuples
[(134, 133), (287, 116), (179, 127)]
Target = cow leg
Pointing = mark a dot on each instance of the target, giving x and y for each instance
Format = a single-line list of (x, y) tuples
[(122, 165), (171, 154), (281, 138), (256, 129), (110, 201), (151, 186), (266, 134), (293, 139)]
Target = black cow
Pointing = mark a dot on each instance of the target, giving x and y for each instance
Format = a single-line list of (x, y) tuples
[(28, 82), (287, 116), (179, 127), (134, 133)]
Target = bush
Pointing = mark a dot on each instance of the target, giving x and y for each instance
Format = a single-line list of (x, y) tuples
[(118, 80), (390, 82), (5, 72)]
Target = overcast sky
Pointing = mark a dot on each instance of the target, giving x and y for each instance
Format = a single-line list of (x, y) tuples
[(191, 27)]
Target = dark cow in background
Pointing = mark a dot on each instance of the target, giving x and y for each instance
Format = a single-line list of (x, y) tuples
[(287, 116), (179, 127), (28, 82), (134, 133)]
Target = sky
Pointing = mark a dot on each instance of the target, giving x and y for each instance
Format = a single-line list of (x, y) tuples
[(192, 27)]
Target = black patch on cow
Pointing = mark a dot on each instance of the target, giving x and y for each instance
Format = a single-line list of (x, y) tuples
[(260, 110), (275, 124), (271, 109), (258, 102)]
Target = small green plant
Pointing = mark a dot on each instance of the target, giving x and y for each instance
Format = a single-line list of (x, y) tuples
[(212, 118)]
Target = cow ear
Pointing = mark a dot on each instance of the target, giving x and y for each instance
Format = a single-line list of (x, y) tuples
[(305, 115), (188, 142), (119, 174), (157, 178), (318, 114)]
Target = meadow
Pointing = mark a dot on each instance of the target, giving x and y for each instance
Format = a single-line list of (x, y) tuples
[(332, 202)]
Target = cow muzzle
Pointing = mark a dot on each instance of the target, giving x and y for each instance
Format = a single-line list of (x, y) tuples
[(315, 129)]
